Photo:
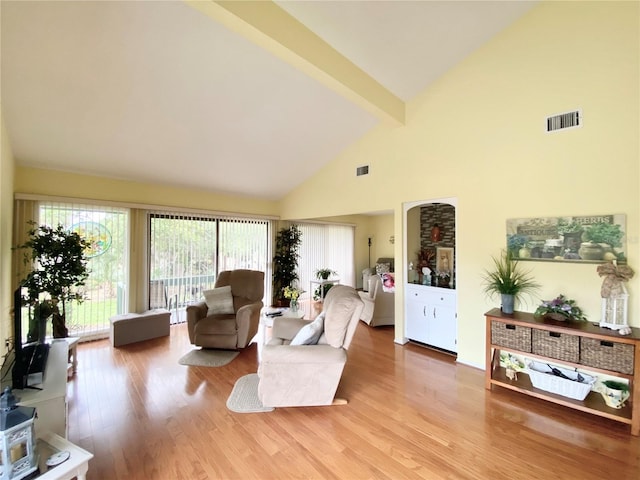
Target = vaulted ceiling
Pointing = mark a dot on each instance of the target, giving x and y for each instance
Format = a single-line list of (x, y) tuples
[(247, 98)]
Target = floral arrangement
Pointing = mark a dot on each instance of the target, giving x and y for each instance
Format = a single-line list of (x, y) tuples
[(560, 308), (292, 292)]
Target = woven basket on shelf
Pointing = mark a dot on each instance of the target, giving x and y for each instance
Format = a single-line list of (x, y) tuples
[(618, 357), (511, 336), (560, 346)]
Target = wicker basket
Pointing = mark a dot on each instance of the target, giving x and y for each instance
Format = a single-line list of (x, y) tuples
[(614, 356), (542, 378), (511, 336), (556, 345)]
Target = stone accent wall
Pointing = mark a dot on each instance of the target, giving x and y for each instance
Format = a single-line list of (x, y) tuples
[(445, 216)]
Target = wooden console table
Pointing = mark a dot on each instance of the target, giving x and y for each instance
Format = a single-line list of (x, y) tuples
[(516, 333)]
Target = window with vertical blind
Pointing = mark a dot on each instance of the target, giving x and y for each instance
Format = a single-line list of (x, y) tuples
[(107, 229), (187, 252), (326, 245)]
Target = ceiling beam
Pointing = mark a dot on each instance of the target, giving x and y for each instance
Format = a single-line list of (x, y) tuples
[(272, 28)]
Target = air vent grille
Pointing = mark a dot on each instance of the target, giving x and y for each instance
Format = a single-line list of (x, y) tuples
[(364, 170), (564, 120)]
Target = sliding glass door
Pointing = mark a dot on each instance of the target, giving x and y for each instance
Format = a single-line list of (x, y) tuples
[(187, 252), (106, 228)]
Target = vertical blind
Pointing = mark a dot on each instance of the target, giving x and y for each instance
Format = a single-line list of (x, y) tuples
[(187, 252), (326, 246), (106, 228)]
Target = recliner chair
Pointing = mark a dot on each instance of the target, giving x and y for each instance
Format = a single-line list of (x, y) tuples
[(229, 331), (308, 375), (379, 306)]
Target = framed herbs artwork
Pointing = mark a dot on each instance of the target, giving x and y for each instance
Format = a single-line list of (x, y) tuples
[(587, 239)]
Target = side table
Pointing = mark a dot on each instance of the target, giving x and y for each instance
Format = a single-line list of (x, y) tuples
[(267, 322), (72, 343), (75, 466), (321, 284), (73, 355)]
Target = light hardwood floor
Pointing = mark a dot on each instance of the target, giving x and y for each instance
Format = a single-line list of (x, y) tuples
[(412, 413)]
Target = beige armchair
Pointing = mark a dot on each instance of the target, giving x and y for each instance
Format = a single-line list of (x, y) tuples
[(308, 375), (229, 330), (379, 306)]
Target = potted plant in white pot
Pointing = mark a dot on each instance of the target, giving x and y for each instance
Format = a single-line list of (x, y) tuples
[(324, 273), (321, 291), (508, 280)]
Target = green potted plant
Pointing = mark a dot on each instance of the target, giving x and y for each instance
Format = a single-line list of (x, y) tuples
[(615, 385), (615, 393), (324, 273), (58, 269), (285, 262), (508, 280), (321, 290)]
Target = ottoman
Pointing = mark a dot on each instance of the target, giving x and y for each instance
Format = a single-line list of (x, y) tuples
[(137, 327)]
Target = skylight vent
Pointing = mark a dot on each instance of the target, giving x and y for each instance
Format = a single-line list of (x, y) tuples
[(364, 170), (563, 121)]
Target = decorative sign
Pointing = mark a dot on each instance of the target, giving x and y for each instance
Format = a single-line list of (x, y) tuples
[(588, 239), (96, 234)]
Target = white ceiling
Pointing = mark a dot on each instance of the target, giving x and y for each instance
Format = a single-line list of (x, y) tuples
[(160, 92)]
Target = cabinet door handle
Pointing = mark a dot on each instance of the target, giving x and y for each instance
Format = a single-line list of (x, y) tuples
[(424, 311), (434, 312)]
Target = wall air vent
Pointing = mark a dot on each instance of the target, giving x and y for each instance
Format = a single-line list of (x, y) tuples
[(563, 121), (364, 170)]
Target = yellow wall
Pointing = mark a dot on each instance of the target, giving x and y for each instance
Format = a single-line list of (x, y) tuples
[(6, 220), (64, 184), (478, 135), (380, 227)]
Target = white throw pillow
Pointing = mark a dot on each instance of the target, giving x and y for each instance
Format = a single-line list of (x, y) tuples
[(219, 300), (310, 333)]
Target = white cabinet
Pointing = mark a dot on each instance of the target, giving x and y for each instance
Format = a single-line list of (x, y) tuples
[(431, 316), (50, 400)]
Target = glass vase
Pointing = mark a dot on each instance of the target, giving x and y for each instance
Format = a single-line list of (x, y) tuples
[(294, 305)]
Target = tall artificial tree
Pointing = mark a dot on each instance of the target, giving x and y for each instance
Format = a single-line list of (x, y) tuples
[(59, 269), (285, 261)]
